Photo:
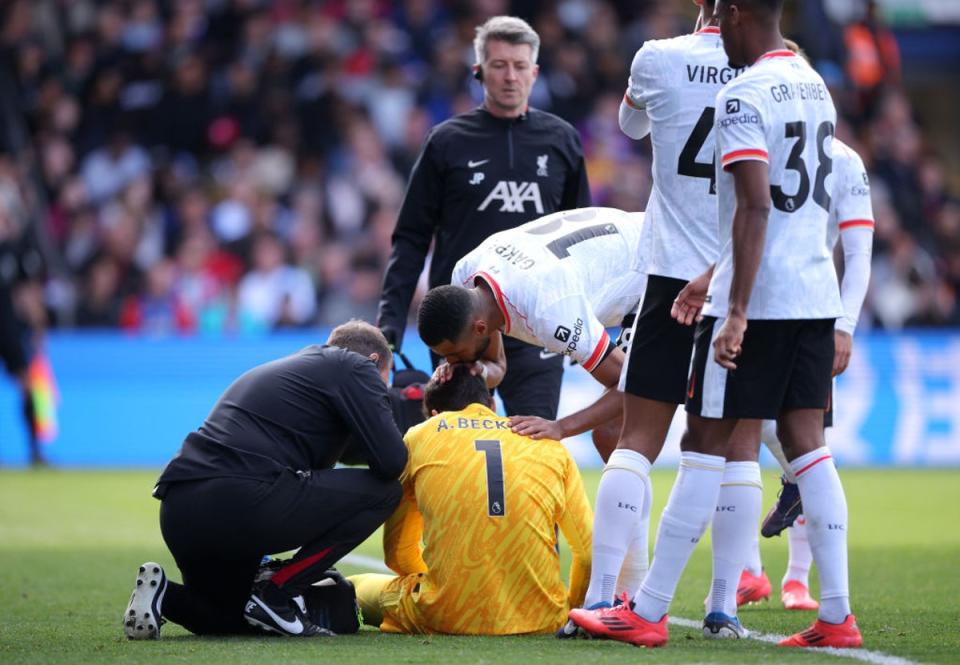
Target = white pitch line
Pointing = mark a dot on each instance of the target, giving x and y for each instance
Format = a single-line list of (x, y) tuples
[(866, 656)]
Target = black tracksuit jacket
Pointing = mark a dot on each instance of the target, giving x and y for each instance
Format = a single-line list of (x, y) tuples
[(476, 175)]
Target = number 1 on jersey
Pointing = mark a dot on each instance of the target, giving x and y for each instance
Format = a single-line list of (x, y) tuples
[(496, 506)]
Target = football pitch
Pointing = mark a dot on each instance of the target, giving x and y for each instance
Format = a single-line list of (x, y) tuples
[(71, 541)]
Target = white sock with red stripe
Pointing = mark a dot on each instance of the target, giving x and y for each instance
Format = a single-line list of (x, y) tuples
[(623, 490), (825, 510), (637, 561), (734, 525), (801, 556), (691, 505)]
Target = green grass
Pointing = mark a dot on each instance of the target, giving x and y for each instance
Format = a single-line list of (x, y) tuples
[(70, 543)]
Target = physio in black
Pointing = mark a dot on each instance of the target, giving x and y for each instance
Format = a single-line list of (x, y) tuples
[(480, 172), (257, 478)]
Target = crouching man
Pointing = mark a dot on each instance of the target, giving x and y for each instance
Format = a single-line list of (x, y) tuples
[(485, 503), (257, 478)]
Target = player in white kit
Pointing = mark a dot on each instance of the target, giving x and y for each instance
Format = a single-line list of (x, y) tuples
[(765, 346), (671, 94), (851, 221), (557, 282)]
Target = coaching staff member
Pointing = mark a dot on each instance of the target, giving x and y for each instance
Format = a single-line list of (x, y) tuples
[(481, 172), (257, 478)]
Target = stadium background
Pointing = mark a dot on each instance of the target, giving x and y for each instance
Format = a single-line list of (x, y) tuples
[(208, 184)]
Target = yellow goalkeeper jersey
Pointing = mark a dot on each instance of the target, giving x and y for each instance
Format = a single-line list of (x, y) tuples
[(475, 536)]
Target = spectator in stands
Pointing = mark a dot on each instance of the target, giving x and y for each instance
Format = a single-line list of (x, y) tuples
[(873, 57), (274, 294), (152, 121)]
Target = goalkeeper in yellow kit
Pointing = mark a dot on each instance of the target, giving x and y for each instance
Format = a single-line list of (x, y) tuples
[(474, 539)]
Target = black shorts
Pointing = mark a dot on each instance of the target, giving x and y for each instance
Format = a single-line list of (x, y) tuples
[(658, 360), (784, 365)]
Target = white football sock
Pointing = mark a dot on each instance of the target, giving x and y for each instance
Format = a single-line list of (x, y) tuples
[(620, 498), (637, 561), (735, 524), (801, 556), (692, 502), (825, 510)]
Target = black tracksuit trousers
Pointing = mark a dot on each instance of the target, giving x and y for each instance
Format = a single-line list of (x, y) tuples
[(219, 529)]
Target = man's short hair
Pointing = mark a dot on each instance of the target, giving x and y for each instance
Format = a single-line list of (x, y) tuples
[(508, 29), (361, 337), (771, 6), (444, 314), (456, 393)]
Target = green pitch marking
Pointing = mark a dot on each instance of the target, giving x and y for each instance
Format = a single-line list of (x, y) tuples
[(71, 542)]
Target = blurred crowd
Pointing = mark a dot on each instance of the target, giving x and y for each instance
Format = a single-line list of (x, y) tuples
[(217, 166)]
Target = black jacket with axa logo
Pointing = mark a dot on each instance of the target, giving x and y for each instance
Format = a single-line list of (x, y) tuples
[(476, 175)]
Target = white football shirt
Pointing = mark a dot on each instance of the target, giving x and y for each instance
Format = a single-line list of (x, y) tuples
[(675, 82), (779, 111), (851, 222), (560, 280)]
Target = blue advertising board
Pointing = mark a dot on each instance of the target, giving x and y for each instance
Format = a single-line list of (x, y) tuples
[(128, 401)]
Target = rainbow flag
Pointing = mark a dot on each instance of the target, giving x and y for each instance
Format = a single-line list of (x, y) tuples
[(43, 389)]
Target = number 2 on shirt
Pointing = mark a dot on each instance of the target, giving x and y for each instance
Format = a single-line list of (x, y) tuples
[(496, 506)]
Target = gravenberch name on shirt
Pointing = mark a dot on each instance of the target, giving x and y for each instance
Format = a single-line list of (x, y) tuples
[(805, 91), (711, 74)]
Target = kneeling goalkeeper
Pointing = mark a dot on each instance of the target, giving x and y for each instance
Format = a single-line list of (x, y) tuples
[(485, 503)]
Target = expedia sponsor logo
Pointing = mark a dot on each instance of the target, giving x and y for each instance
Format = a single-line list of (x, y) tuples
[(864, 189), (733, 106), (742, 119), (514, 196), (572, 338), (562, 334), (514, 256)]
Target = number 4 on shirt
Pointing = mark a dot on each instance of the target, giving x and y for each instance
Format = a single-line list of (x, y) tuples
[(688, 164)]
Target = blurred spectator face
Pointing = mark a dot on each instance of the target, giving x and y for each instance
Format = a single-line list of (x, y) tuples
[(508, 76), (267, 254), (30, 60), (193, 253), (58, 160), (160, 278), (103, 281), (110, 24), (106, 88), (191, 76), (122, 235), (65, 115), (193, 209)]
